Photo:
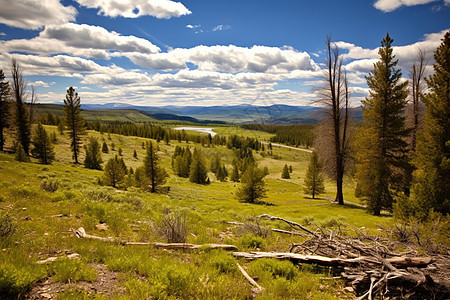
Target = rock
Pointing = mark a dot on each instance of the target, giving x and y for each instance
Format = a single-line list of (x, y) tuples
[(102, 227)]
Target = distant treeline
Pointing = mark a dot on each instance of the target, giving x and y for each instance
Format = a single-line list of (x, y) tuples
[(294, 135)]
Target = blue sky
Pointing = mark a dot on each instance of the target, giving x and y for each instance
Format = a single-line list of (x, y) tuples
[(162, 52)]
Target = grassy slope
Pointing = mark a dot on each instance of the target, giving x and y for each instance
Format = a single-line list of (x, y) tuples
[(44, 220)]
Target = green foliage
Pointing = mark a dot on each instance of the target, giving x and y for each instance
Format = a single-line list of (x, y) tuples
[(222, 262), (105, 147), (114, 173), (253, 187), (250, 241), (93, 158), (50, 185), (7, 226), (21, 155), (432, 160), (294, 135), (276, 268), (285, 173), (182, 159), (154, 173), (382, 150), (75, 124), (235, 173), (198, 172), (313, 179), (72, 270), (15, 281), (43, 148)]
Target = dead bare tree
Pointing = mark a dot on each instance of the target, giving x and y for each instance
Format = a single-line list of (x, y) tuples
[(333, 136), (32, 104), (21, 118), (417, 82)]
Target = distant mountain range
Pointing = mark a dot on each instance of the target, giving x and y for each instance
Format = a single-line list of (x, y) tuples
[(274, 114)]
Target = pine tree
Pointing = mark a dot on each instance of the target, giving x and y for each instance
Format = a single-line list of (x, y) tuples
[(20, 154), (222, 173), (235, 173), (43, 148), (75, 124), (155, 174), (432, 160), (114, 173), (381, 157), (135, 154), (93, 158), (198, 173), (61, 127), (120, 151), (4, 107), (253, 187), (314, 181), (105, 147), (215, 164), (285, 173), (21, 116)]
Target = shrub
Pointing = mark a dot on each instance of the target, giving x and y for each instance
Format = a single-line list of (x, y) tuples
[(15, 282), (50, 185), (222, 262), (173, 227), (7, 226), (251, 241), (276, 268)]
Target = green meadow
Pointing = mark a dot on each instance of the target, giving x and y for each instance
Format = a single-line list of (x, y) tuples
[(43, 221)]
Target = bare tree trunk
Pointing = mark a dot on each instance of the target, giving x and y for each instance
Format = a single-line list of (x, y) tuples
[(332, 143)]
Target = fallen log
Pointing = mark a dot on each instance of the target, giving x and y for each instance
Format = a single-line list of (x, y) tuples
[(54, 258), (81, 233), (292, 224), (329, 261), (257, 288), (271, 229)]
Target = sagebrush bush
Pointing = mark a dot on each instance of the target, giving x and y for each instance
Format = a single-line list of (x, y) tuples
[(222, 262), (173, 227), (51, 185), (276, 268), (7, 226)]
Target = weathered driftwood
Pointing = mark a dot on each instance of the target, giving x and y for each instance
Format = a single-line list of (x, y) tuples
[(328, 261), (271, 229), (290, 223), (54, 258), (81, 233), (257, 288)]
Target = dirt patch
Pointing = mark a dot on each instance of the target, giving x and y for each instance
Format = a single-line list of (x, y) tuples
[(107, 283)]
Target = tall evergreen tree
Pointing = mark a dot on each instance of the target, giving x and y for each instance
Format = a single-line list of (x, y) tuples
[(235, 173), (382, 149), (285, 172), (333, 138), (114, 172), (4, 107), (43, 148), (21, 116), (314, 181), (105, 147), (253, 187), (75, 124), (93, 158), (198, 172), (432, 190), (155, 174)]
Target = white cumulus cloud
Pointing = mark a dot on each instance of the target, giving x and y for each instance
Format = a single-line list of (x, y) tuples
[(162, 9), (391, 5), (35, 14)]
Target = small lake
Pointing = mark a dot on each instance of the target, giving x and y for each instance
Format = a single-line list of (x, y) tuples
[(198, 129)]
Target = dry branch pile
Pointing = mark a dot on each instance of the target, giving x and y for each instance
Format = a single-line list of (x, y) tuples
[(369, 264)]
